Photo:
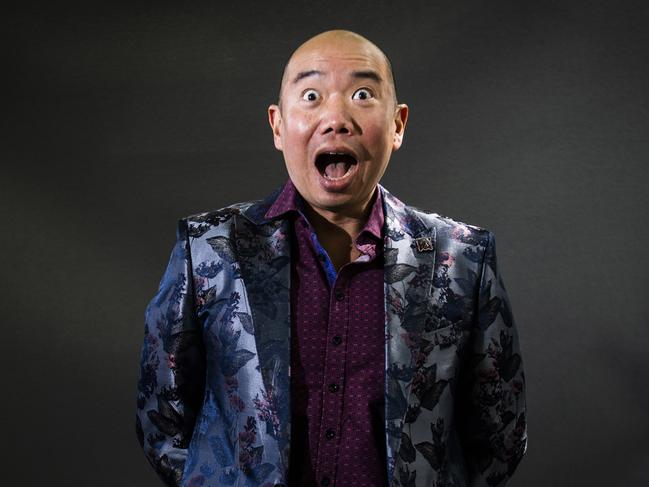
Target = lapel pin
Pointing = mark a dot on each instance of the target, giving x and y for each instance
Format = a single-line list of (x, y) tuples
[(424, 244)]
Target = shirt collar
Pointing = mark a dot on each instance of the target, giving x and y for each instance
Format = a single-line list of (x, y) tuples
[(290, 200)]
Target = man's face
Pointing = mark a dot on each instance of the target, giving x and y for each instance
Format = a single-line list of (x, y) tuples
[(337, 123)]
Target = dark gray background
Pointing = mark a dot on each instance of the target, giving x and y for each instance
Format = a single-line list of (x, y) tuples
[(527, 118)]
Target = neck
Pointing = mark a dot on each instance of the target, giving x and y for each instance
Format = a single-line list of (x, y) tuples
[(349, 222), (337, 231)]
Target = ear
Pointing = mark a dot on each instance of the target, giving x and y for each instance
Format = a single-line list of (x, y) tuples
[(275, 120), (400, 119)]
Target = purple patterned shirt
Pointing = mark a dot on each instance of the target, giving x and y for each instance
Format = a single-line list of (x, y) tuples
[(337, 355)]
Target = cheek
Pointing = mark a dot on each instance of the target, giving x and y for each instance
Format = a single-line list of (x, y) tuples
[(298, 127), (378, 140)]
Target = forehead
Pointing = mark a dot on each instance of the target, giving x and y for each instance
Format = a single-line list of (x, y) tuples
[(336, 57)]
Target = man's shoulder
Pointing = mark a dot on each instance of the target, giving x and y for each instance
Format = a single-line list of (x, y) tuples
[(450, 228), (252, 210), (443, 221), (198, 224), (217, 215), (444, 227)]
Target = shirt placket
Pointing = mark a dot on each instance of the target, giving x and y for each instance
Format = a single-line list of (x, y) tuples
[(333, 383)]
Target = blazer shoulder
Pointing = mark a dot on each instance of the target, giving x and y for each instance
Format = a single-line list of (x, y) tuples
[(226, 211), (200, 223), (447, 228)]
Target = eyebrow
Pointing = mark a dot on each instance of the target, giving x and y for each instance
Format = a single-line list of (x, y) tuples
[(305, 74), (373, 75), (369, 74)]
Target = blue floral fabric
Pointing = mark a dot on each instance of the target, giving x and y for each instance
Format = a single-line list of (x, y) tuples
[(213, 403)]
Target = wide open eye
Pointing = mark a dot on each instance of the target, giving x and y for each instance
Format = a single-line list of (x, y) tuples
[(310, 95), (362, 94)]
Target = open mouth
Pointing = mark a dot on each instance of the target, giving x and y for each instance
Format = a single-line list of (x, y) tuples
[(335, 165)]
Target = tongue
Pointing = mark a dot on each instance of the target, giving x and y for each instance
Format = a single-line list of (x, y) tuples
[(336, 169)]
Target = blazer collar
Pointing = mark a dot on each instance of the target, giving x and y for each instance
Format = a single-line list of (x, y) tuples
[(401, 216), (256, 212)]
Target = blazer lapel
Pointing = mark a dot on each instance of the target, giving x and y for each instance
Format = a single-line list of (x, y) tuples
[(263, 248), (409, 250)]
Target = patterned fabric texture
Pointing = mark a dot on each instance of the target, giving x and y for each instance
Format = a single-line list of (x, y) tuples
[(337, 339), (213, 405)]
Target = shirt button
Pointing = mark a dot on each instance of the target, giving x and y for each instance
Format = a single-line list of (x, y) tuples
[(340, 295), (329, 434), (325, 481), (336, 340), (333, 387)]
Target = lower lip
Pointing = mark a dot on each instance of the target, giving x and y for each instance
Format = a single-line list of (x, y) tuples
[(337, 185)]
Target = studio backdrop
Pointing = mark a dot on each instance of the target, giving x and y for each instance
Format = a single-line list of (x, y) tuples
[(529, 119)]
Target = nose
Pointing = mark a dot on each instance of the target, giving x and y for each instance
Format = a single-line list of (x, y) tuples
[(336, 118)]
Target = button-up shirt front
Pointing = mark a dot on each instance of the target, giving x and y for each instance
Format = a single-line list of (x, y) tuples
[(337, 355)]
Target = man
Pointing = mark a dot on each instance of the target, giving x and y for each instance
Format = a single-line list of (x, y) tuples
[(329, 334)]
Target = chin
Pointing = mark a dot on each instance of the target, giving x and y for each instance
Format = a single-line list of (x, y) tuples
[(340, 204)]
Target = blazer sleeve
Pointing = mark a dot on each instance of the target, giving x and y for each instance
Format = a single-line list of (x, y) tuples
[(492, 418), (172, 370)]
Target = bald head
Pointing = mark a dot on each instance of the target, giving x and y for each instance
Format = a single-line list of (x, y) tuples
[(332, 43)]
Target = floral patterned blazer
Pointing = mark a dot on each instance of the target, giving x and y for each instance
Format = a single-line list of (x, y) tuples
[(213, 396)]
